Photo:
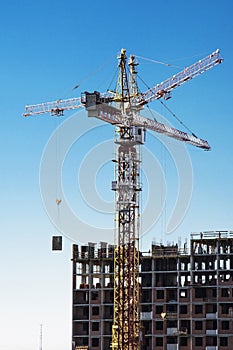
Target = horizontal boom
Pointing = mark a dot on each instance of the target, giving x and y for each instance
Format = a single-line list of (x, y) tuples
[(114, 116)]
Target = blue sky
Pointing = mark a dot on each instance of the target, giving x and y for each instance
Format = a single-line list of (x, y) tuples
[(47, 47)]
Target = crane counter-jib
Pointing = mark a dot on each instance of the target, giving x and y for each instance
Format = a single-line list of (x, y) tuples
[(53, 107)]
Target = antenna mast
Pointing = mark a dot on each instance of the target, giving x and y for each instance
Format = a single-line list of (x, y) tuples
[(41, 336)]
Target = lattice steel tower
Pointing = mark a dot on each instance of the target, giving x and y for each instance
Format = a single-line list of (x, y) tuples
[(126, 324)]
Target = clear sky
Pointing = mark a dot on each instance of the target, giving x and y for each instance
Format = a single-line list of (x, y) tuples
[(48, 47)]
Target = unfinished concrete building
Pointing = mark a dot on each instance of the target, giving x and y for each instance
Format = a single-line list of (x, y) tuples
[(186, 294)]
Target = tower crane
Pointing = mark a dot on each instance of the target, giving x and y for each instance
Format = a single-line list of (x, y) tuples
[(121, 108)]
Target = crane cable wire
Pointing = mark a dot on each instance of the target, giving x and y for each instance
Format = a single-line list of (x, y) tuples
[(158, 62), (58, 199), (163, 155), (111, 82), (66, 91), (178, 119), (174, 60), (93, 73)]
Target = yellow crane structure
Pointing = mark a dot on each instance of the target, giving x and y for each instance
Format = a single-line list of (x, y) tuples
[(121, 108)]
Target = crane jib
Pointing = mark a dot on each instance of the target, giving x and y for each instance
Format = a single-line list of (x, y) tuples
[(163, 89), (114, 116)]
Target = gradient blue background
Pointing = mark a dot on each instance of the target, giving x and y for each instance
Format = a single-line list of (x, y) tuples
[(46, 48)]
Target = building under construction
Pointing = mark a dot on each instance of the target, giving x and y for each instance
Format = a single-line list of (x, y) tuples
[(186, 294)]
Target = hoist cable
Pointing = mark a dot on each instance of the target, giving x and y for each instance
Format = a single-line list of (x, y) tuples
[(113, 78), (178, 119), (158, 62)]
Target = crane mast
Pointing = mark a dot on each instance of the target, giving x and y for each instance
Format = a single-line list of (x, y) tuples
[(126, 322)]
